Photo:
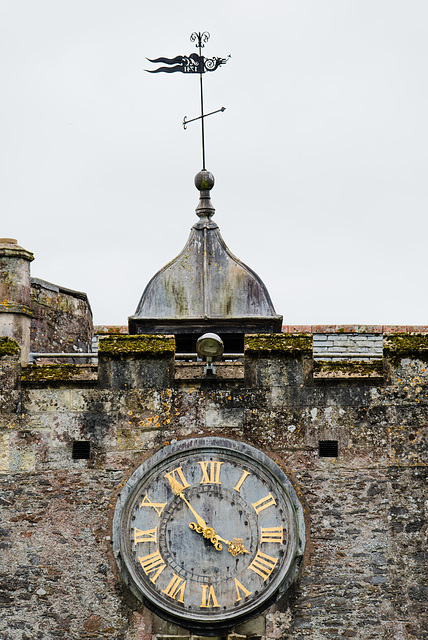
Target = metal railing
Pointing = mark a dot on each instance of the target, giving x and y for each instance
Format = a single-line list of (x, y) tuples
[(33, 357)]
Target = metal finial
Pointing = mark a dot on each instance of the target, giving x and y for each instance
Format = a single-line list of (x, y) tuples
[(200, 38), (204, 182)]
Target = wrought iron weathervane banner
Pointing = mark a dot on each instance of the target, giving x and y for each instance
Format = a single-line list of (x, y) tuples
[(194, 63)]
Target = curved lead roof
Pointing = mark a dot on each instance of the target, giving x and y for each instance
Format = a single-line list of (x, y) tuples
[(205, 281)]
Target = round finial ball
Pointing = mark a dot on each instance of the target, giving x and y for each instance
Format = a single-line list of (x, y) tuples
[(204, 180)]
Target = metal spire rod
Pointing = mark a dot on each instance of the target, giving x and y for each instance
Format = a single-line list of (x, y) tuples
[(201, 38)]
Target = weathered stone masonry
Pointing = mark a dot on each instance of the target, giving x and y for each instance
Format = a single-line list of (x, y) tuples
[(365, 572)]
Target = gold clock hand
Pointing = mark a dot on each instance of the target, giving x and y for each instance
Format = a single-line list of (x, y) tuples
[(201, 522), (178, 490), (236, 546)]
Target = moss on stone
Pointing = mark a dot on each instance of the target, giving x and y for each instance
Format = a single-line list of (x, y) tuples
[(401, 345), (278, 343), (145, 345), (9, 347), (348, 368), (50, 372)]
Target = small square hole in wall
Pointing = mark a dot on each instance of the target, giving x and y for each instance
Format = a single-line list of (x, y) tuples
[(81, 450), (328, 448)]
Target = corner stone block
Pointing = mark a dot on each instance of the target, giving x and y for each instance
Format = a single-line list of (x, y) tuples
[(134, 362), (4, 452), (277, 359), (10, 367)]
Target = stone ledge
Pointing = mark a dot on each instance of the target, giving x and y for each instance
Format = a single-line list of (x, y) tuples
[(278, 344), (195, 371), (401, 345), (348, 370), (157, 346), (13, 307), (59, 373)]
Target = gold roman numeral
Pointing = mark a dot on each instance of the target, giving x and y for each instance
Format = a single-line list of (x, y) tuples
[(208, 596), (263, 503), (240, 587), (241, 480), (271, 534), (210, 472), (145, 536), (263, 565), (157, 506), (153, 563), (176, 587), (177, 480)]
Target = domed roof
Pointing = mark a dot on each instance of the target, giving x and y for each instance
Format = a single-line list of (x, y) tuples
[(205, 281)]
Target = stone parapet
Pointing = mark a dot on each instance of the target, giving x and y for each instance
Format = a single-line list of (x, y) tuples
[(136, 361)]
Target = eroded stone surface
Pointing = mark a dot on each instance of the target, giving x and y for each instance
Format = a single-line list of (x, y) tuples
[(364, 574)]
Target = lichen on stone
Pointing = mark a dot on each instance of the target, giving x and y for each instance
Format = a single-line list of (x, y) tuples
[(51, 372), (144, 345), (401, 345), (348, 369), (57, 372), (278, 343), (9, 347)]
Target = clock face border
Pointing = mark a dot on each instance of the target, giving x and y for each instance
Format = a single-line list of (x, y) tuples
[(241, 454)]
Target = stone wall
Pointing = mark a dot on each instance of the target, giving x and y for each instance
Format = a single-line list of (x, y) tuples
[(364, 573), (62, 319)]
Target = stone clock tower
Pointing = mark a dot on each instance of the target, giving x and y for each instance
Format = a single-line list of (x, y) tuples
[(151, 489)]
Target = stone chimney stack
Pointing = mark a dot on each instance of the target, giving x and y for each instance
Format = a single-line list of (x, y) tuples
[(15, 294)]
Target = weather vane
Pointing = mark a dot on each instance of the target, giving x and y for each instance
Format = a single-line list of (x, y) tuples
[(194, 63)]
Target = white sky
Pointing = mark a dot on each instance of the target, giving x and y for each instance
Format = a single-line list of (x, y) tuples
[(320, 159)]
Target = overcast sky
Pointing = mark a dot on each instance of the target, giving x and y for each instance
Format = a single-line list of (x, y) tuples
[(320, 159)]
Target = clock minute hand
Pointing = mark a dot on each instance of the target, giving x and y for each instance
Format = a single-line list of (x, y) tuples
[(178, 490), (201, 522)]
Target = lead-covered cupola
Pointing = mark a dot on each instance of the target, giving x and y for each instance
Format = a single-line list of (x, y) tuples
[(205, 288)]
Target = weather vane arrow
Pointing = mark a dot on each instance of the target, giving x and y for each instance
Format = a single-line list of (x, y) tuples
[(194, 63)]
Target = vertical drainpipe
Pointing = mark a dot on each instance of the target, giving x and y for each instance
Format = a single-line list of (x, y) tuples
[(15, 294)]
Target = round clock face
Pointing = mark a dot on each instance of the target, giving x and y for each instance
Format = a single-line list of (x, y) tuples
[(208, 532)]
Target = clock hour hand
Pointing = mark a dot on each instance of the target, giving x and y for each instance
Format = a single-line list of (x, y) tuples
[(236, 546)]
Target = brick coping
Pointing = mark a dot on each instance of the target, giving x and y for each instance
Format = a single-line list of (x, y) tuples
[(355, 328), (305, 328)]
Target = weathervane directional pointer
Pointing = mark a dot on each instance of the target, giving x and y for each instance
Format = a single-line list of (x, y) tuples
[(194, 63), (186, 122)]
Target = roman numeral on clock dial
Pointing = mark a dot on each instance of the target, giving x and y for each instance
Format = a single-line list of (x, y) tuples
[(241, 480), (153, 563), (208, 597), (157, 506), (177, 480), (176, 588), (240, 587), (210, 472), (263, 565), (263, 503), (271, 534), (150, 535)]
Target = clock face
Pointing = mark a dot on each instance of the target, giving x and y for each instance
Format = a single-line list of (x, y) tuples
[(208, 532)]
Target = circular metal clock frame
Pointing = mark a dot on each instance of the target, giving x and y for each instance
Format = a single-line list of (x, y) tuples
[(208, 532)]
